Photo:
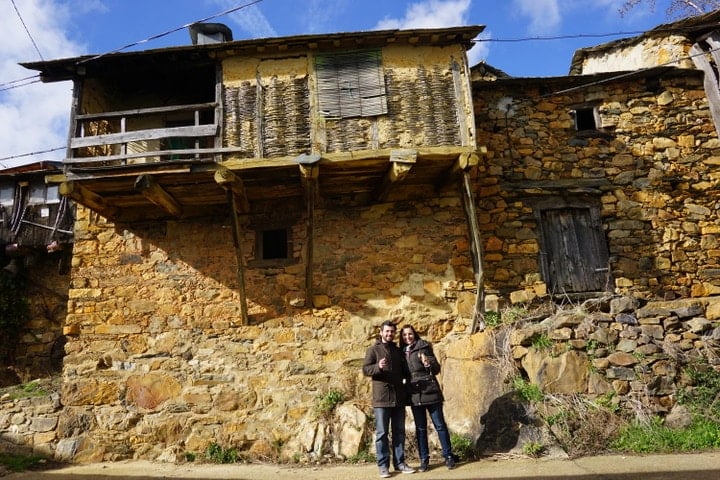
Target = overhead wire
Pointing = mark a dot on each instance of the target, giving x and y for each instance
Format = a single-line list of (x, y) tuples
[(36, 78), (163, 34), (27, 30)]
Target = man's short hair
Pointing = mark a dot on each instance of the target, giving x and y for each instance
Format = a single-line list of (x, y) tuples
[(388, 323)]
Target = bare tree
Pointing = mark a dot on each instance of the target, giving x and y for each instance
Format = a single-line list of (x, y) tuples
[(676, 8)]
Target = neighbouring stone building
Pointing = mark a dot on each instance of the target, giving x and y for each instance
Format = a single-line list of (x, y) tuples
[(36, 226), (246, 221)]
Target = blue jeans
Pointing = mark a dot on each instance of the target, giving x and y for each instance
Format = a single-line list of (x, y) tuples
[(386, 418), (421, 430)]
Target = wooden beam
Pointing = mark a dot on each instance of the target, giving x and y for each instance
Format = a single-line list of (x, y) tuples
[(89, 199), (476, 251), (240, 271), (712, 90), (232, 183), (309, 173), (464, 162), (401, 162), (151, 190)]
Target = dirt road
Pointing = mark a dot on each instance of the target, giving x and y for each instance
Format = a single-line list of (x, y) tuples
[(704, 466)]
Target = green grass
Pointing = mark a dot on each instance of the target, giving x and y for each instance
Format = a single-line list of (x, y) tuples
[(19, 463), (529, 392), (702, 434), (541, 341), (35, 388)]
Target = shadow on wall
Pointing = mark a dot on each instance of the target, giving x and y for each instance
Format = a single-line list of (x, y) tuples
[(501, 424)]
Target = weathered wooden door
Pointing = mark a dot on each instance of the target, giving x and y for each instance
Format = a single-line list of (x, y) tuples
[(574, 251)]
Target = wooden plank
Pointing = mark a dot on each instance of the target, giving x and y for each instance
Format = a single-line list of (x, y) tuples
[(467, 128), (240, 270), (710, 82), (89, 199), (149, 134), (233, 183), (151, 190), (146, 111), (476, 251), (310, 180)]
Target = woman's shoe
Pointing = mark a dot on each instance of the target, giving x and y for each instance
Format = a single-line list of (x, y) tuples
[(424, 463), (450, 462)]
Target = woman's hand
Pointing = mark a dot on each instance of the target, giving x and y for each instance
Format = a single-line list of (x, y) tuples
[(424, 360)]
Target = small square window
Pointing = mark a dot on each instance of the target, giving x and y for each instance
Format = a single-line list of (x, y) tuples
[(273, 244), (586, 119)]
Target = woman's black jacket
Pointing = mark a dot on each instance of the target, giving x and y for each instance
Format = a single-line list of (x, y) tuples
[(424, 388)]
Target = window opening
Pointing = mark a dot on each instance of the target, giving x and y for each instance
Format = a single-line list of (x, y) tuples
[(274, 244), (7, 195), (37, 194), (351, 84), (586, 119)]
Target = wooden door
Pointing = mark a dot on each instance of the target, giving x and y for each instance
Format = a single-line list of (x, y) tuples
[(574, 251)]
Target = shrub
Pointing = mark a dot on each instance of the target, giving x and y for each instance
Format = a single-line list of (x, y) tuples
[(327, 402), (217, 454), (462, 446), (527, 391)]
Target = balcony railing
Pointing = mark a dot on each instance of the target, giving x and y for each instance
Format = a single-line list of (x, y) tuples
[(144, 136)]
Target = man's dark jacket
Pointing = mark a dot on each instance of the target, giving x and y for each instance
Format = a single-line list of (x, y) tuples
[(388, 389)]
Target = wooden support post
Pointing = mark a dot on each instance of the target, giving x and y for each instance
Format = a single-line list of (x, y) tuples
[(89, 199), (476, 250), (151, 190), (401, 162), (233, 183), (239, 257), (309, 173)]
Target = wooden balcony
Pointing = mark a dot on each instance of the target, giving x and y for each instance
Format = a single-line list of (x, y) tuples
[(168, 162)]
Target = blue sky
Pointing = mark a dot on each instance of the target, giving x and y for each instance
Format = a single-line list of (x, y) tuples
[(33, 118)]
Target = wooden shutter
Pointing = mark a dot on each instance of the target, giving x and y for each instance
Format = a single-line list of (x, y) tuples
[(575, 254), (351, 84)]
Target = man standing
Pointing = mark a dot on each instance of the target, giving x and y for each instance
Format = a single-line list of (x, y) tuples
[(384, 362)]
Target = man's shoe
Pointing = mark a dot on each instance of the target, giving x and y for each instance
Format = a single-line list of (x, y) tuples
[(423, 465), (404, 468), (384, 472), (450, 462)]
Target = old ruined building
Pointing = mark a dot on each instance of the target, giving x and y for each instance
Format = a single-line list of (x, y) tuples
[(250, 211), (36, 225)]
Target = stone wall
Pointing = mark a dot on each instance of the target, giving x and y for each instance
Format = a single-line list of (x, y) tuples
[(650, 169), (38, 349), (157, 364)]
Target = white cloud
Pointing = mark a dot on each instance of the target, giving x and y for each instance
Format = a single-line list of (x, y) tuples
[(33, 118), (545, 15), (436, 14), (430, 14), (250, 19)]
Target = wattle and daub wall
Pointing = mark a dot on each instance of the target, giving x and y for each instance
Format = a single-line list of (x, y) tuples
[(157, 365)]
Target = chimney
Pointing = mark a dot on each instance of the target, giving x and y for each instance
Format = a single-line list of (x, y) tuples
[(205, 33)]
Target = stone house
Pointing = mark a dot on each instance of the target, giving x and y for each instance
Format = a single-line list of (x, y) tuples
[(250, 211)]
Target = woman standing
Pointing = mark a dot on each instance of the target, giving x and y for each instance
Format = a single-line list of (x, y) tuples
[(425, 395)]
